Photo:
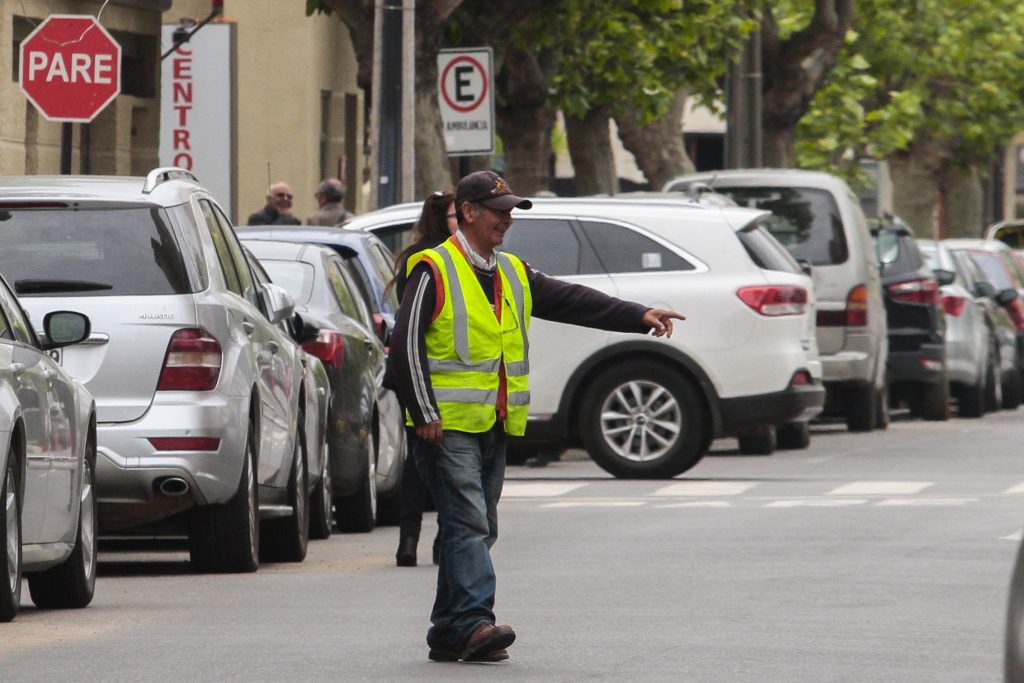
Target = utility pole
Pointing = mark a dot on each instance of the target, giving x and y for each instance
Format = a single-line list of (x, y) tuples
[(744, 139)]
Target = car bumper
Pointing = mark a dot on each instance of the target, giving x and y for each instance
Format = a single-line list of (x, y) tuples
[(925, 365), (797, 403), (129, 468)]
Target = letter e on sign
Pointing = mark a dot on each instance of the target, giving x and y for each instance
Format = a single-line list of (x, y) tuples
[(466, 99)]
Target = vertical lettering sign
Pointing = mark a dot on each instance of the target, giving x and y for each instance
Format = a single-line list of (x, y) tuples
[(466, 98), (197, 109)]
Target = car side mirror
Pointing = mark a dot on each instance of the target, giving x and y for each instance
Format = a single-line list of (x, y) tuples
[(943, 276), (1006, 297), (305, 331), (64, 328), (984, 289), (277, 302)]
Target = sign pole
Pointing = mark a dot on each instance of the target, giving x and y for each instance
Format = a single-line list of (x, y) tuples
[(65, 147)]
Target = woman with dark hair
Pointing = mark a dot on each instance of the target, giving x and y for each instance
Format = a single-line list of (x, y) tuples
[(436, 224)]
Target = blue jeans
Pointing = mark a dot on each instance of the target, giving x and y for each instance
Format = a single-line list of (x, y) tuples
[(465, 474)]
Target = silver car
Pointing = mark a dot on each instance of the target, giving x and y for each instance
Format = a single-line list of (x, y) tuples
[(47, 464), (199, 403)]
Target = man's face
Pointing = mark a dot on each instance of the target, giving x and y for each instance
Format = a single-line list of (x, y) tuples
[(280, 198), (487, 226)]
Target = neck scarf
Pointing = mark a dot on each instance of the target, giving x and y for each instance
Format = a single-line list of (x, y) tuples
[(475, 259)]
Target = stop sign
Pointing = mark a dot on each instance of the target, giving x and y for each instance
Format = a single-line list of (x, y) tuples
[(70, 68)]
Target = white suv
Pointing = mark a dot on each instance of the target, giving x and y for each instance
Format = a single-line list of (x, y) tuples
[(744, 362), (200, 398)]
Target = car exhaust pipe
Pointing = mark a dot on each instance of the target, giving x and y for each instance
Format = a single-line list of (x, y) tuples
[(173, 487)]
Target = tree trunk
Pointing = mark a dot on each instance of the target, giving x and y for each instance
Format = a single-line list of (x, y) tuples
[(525, 117), (779, 146), (591, 151), (432, 170), (657, 146), (915, 190), (962, 204)]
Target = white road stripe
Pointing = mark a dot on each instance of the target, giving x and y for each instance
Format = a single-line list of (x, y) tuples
[(1019, 536), (705, 488), (536, 489), (875, 488), (1019, 488), (596, 504), (817, 503), (698, 504), (925, 502)]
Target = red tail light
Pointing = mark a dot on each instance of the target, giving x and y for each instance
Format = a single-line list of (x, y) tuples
[(801, 378), (953, 305), (328, 347), (857, 306), (924, 291), (184, 443), (774, 300), (1016, 310), (192, 362)]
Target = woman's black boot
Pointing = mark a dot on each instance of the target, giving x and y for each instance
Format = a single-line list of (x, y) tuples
[(406, 555)]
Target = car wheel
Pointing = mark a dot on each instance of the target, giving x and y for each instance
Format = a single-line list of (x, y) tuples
[(226, 538), (793, 436), (287, 539), (358, 513), (1013, 660), (758, 441), (993, 386), (321, 502), (934, 400), (970, 399), (644, 420), (861, 404), (1012, 390), (882, 415), (10, 549), (72, 583)]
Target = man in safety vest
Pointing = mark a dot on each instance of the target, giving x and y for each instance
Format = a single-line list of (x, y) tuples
[(460, 363)]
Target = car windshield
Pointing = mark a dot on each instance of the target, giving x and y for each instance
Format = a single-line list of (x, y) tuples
[(294, 276), (805, 220), (91, 252)]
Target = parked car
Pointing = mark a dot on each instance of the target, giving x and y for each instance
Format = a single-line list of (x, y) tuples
[(314, 467), (47, 463), (324, 288), (972, 344), (996, 263), (819, 219), (743, 363), (198, 402)]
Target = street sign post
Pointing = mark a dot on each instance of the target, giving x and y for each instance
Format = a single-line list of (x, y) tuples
[(70, 68), (466, 98)]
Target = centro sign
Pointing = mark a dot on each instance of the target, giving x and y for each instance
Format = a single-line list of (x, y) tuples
[(70, 68)]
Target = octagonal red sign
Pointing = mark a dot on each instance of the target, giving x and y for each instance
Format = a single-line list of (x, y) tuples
[(70, 68)]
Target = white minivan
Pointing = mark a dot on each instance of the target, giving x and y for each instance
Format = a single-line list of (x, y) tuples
[(819, 219)]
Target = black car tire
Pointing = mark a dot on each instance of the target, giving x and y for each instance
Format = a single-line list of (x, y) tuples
[(287, 539), (321, 502), (861, 404), (970, 399), (670, 393), (882, 415), (72, 583), (358, 513), (934, 401), (226, 538), (10, 549), (758, 441), (993, 386), (1013, 659), (794, 436), (1012, 390)]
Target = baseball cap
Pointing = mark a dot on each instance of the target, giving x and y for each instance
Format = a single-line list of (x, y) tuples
[(491, 190)]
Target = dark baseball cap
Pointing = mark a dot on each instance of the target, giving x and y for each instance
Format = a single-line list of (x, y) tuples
[(489, 189)]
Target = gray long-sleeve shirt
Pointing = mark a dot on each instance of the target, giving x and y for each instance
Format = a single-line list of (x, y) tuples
[(553, 300)]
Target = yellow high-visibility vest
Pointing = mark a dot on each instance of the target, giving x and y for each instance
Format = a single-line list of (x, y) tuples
[(467, 345)]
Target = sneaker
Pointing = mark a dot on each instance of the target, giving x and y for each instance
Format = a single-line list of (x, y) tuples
[(487, 639)]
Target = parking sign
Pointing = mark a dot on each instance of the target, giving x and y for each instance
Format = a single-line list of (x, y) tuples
[(466, 96)]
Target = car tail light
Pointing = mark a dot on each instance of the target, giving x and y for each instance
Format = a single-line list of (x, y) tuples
[(953, 305), (329, 347), (857, 306), (924, 291), (1016, 310), (801, 378), (774, 300), (185, 443), (192, 362)]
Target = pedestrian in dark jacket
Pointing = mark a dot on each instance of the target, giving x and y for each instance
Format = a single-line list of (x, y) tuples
[(460, 359), (329, 196), (435, 225), (278, 210)]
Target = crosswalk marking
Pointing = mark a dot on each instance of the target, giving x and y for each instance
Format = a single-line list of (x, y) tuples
[(1019, 536), (816, 503), (875, 488), (1019, 488), (537, 489), (595, 504), (698, 504), (925, 502), (705, 488)]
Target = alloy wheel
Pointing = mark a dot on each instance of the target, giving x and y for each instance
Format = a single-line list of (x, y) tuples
[(641, 420)]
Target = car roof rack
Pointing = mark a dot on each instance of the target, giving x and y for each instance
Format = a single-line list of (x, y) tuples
[(162, 175)]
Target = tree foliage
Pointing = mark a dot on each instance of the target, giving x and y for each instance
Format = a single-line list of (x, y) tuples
[(946, 73)]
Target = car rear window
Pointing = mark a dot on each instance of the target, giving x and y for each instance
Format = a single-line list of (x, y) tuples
[(765, 250), (805, 220), (96, 252), (994, 269), (295, 277)]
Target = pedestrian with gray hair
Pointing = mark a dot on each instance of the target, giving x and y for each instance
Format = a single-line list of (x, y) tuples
[(329, 196)]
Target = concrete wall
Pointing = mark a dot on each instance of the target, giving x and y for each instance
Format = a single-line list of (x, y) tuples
[(285, 61)]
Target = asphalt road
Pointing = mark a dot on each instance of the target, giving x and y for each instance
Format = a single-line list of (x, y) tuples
[(869, 557)]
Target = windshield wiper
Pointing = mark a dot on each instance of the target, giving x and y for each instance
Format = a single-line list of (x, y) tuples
[(50, 286)]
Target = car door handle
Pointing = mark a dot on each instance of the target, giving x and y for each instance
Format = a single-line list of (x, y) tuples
[(17, 368), (248, 327)]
